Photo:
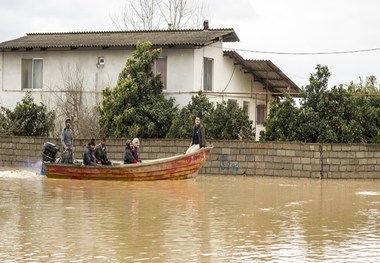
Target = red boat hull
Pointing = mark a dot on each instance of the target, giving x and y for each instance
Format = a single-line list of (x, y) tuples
[(172, 168)]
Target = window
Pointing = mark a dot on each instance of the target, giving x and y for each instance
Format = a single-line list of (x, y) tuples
[(261, 112), (207, 75), (31, 73), (234, 103), (246, 107), (161, 67)]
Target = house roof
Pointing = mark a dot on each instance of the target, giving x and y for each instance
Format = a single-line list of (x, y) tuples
[(105, 39), (267, 73)]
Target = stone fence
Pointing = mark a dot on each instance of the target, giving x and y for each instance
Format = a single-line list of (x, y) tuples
[(288, 159)]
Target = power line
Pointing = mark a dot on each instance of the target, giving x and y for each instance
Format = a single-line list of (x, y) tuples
[(306, 53)]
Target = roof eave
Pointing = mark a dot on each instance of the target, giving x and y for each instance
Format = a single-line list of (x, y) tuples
[(278, 90)]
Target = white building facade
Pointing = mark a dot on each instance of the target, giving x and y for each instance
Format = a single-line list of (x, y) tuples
[(191, 61)]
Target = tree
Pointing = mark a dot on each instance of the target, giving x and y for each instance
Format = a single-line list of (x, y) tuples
[(310, 97), (282, 123), (158, 14), (3, 120), (367, 113), (287, 123), (27, 119), (136, 107), (183, 121), (72, 102), (225, 121), (335, 115)]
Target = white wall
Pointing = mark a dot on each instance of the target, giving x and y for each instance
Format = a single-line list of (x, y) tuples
[(230, 82), (55, 63), (180, 72), (180, 78)]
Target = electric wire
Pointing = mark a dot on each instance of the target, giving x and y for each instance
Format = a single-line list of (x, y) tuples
[(306, 53)]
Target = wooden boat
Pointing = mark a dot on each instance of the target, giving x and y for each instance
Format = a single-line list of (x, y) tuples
[(172, 168)]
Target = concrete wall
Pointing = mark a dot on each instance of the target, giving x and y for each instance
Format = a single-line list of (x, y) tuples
[(228, 157)]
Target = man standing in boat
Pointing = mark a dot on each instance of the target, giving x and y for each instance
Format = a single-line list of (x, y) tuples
[(67, 143), (198, 136)]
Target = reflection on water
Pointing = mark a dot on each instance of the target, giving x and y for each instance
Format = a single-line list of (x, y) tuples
[(207, 219)]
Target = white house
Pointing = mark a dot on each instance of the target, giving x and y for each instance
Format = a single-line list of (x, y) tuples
[(192, 60)]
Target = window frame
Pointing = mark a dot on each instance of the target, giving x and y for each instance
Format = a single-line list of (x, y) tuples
[(261, 114), (208, 73), (246, 107), (157, 70), (32, 73)]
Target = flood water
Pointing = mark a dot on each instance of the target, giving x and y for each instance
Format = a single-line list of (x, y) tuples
[(207, 219)]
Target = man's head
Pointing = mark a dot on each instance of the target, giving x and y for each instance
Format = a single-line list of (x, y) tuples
[(197, 121), (68, 122), (129, 144), (103, 140), (91, 143), (136, 142)]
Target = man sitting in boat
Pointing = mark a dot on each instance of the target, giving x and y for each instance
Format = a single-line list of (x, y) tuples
[(135, 151), (128, 155), (88, 155), (101, 153)]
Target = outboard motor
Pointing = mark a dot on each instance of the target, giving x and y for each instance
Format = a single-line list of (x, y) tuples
[(48, 155)]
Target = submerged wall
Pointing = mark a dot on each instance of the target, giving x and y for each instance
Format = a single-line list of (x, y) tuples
[(228, 157)]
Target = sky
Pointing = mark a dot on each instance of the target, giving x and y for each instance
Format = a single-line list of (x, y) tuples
[(343, 35)]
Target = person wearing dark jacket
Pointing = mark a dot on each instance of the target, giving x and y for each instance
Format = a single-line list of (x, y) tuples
[(198, 136), (101, 153), (88, 155), (128, 155)]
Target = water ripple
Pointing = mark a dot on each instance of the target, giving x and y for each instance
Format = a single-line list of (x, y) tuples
[(210, 219)]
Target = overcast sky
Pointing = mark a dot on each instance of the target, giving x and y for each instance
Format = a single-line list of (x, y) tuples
[(273, 26)]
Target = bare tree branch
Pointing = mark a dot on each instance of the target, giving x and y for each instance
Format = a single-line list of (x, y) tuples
[(158, 14), (70, 101)]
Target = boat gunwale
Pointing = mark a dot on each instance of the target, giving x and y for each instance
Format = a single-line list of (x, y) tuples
[(142, 164)]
